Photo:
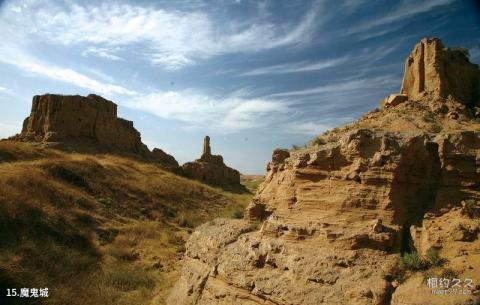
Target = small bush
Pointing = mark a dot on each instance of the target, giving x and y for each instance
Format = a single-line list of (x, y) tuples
[(429, 117), (472, 208), (68, 176), (175, 240), (238, 214), (183, 221), (255, 225), (433, 257), (82, 203), (105, 201), (436, 128), (411, 261), (319, 141), (127, 280)]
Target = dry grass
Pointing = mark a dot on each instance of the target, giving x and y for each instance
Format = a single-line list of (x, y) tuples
[(97, 229)]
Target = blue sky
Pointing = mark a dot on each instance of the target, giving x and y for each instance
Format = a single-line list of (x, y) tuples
[(254, 75)]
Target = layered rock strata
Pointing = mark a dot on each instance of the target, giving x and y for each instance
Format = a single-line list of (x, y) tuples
[(330, 221)]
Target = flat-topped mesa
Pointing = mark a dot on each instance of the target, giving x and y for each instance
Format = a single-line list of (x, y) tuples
[(84, 124), (431, 69), (211, 169)]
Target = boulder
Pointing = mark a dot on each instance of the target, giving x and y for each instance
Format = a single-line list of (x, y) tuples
[(394, 99)]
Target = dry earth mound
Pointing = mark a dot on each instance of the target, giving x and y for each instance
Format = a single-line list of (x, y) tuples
[(366, 213)]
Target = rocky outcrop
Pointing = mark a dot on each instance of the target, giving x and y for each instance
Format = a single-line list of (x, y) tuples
[(85, 124), (330, 221), (164, 158), (434, 70), (211, 169)]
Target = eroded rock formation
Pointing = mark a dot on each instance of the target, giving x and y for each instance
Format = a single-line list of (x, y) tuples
[(437, 71), (85, 124), (329, 222), (211, 169)]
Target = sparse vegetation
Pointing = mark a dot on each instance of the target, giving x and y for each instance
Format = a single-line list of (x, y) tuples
[(238, 214), (415, 262), (435, 127), (433, 256), (411, 261), (428, 117), (471, 208), (319, 141), (114, 224)]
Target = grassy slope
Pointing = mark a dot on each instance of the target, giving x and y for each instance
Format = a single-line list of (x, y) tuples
[(97, 229)]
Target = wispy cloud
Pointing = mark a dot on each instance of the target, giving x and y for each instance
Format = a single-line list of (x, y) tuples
[(170, 38), (307, 128), (229, 114), (297, 67), (107, 53), (343, 87), (16, 56), (404, 9), (3, 89)]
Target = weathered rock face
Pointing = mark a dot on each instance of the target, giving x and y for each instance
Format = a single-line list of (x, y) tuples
[(85, 123), (439, 72), (320, 242), (80, 120), (334, 218), (211, 169)]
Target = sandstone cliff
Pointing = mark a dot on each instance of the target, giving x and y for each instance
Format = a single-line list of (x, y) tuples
[(85, 124), (330, 221), (211, 169)]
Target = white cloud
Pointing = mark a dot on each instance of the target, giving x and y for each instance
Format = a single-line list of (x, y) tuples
[(475, 54), (16, 56), (229, 114), (297, 67), (3, 89), (308, 128), (170, 38), (362, 84), (8, 130), (106, 53)]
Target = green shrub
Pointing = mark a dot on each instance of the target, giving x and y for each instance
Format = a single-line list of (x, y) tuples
[(411, 261), (238, 214), (433, 257), (105, 201), (472, 208)]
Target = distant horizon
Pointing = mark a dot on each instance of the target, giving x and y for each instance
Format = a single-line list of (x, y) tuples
[(254, 76)]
